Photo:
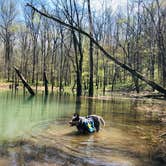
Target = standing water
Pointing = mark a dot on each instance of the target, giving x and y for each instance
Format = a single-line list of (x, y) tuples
[(35, 131)]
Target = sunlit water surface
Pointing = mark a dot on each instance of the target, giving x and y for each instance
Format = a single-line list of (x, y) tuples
[(128, 138)]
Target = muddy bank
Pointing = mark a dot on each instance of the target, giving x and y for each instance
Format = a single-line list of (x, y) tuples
[(30, 154), (133, 94), (159, 152), (4, 86)]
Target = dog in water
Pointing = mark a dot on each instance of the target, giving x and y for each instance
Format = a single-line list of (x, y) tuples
[(88, 124)]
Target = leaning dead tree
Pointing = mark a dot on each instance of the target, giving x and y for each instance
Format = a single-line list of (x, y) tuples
[(122, 65), (30, 90)]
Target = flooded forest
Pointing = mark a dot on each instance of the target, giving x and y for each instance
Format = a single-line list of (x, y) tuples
[(91, 57)]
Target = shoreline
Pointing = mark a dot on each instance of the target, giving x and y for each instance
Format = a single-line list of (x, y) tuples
[(4, 86), (108, 94)]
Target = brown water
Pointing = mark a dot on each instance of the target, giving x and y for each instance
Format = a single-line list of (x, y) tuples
[(35, 131)]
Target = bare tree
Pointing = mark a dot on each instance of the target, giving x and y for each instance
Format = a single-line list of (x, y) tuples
[(90, 50), (74, 17), (33, 23), (7, 20), (122, 65)]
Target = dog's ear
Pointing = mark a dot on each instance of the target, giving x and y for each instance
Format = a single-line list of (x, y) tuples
[(76, 115)]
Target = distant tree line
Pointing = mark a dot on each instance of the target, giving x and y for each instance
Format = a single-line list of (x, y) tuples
[(47, 52)]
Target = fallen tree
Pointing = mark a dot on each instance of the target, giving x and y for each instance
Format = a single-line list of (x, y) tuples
[(121, 64), (30, 90)]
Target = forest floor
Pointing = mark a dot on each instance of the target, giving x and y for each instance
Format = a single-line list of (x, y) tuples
[(107, 96), (4, 86)]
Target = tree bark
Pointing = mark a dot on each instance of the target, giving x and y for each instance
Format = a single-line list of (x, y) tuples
[(30, 90), (78, 67), (122, 65), (45, 83), (77, 43), (90, 51)]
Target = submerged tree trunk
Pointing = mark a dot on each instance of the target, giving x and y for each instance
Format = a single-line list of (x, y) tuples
[(122, 65), (45, 83), (30, 90)]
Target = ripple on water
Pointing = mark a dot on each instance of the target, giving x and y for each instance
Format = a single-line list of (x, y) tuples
[(127, 141), (61, 144), (111, 146)]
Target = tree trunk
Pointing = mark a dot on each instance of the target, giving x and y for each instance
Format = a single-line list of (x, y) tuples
[(90, 51), (78, 42), (30, 90), (34, 60), (45, 83), (78, 67)]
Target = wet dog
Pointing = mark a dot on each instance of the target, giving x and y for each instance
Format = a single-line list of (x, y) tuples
[(87, 124)]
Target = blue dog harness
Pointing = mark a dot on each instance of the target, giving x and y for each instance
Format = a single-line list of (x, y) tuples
[(88, 123)]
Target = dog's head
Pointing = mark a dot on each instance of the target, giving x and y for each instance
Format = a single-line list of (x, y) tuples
[(75, 120)]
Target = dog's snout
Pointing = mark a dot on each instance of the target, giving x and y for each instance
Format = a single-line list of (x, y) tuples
[(70, 122)]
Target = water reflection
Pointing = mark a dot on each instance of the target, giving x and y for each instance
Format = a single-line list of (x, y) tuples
[(28, 99), (78, 105), (127, 139), (90, 106)]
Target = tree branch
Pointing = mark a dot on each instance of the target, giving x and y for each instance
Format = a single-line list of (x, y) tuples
[(124, 66)]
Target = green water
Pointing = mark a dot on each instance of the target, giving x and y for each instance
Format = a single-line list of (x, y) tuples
[(21, 115), (131, 131)]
